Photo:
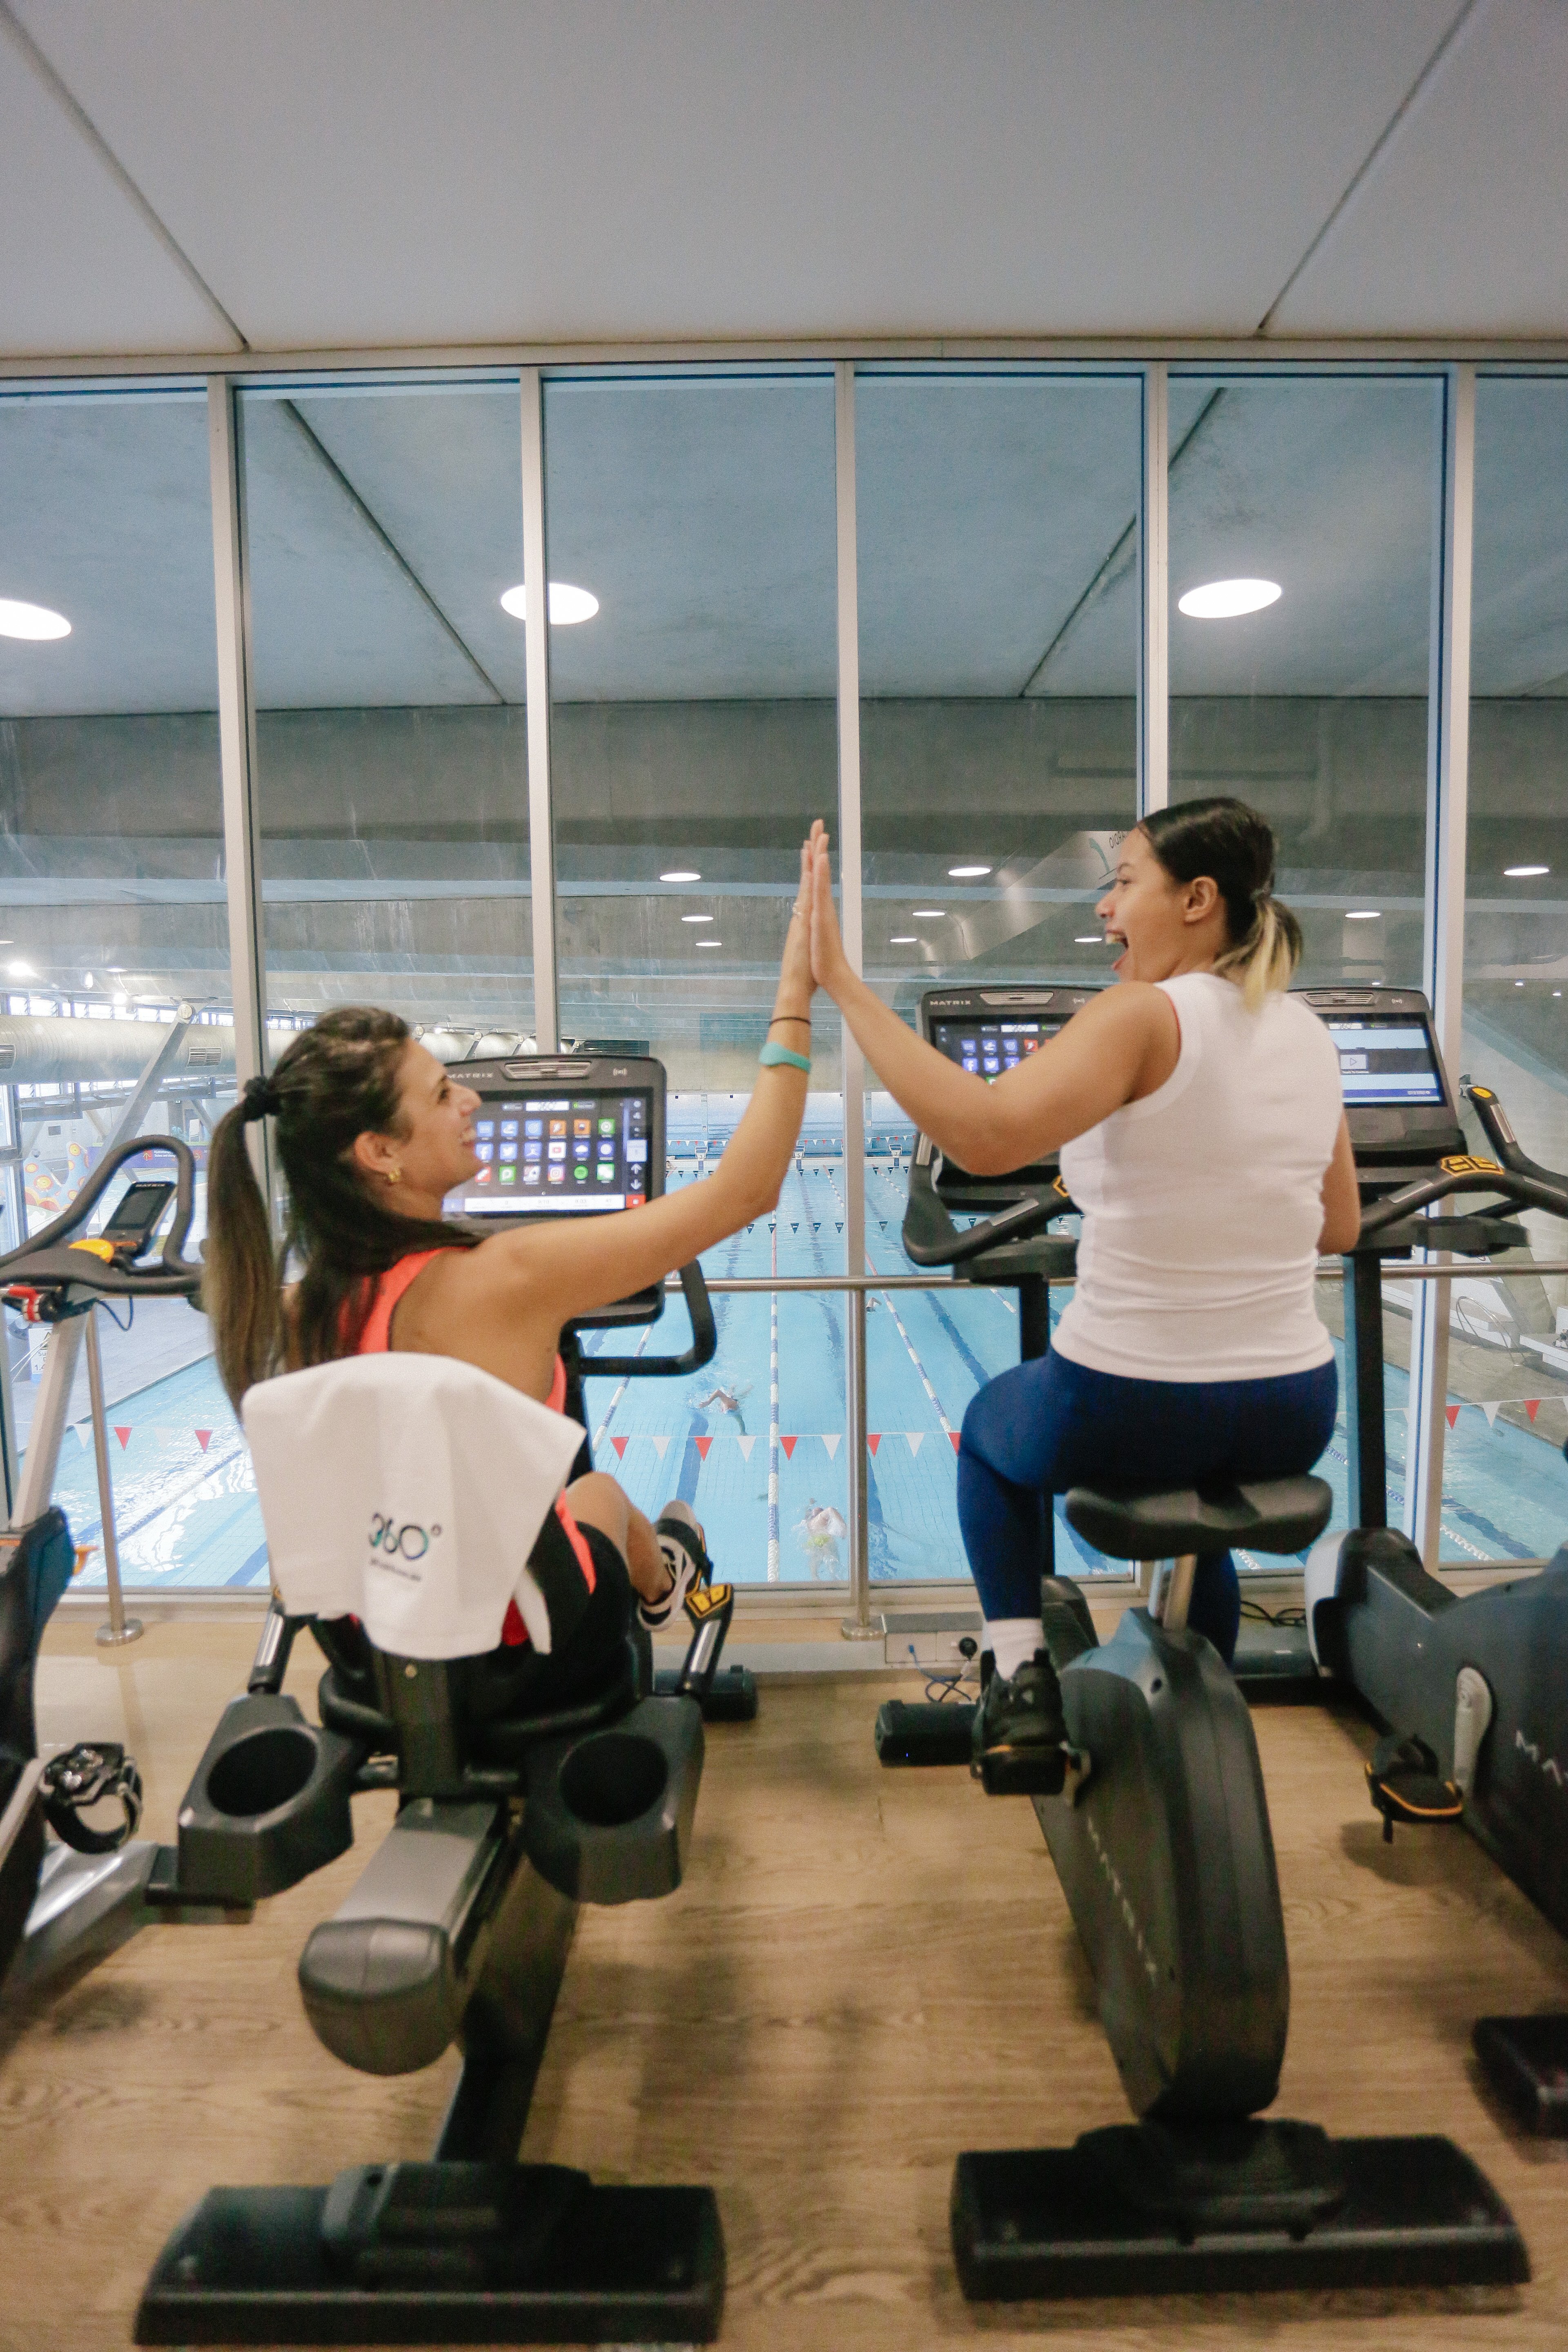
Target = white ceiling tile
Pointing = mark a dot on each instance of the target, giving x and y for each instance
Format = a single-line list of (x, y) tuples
[(82, 269), (408, 172), (1458, 225)]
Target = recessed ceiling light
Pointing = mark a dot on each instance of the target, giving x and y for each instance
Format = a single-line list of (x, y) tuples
[(1518, 873), (697, 919), (921, 913), (1223, 600), (34, 622), (681, 873), (21, 971), (902, 939), (708, 943), (967, 873), (1364, 915), (567, 605)]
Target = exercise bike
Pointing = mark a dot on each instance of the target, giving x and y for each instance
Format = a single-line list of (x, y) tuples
[(1162, 1840), (461, 1925), (72, 1897), (1471, 1693)]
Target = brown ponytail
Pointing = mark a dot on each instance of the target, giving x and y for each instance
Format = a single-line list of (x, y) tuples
[(1234, 847), (337, 1080)]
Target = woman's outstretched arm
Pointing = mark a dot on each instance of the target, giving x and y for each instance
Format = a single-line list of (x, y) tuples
[(1107, 1055), (560, 1270)]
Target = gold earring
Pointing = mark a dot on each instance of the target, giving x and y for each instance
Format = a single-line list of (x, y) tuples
[(394, 1175)]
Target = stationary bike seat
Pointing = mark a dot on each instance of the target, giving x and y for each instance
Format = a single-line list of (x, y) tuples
[(1263, 1515)]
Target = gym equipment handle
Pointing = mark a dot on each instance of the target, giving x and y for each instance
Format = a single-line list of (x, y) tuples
[(1505, 1143), (1525, 1191), (704, 1349), (930, 1237), (48, 1258)]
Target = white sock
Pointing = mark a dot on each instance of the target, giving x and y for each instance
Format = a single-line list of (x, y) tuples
[(1012, 1641)]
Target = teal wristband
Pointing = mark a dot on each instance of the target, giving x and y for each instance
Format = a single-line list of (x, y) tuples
[(772, 1056)]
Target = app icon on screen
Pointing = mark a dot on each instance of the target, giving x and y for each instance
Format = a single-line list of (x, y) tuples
[(557, 1151), (557, 1127), (530, 1175), (507, 1175), (582, 1126), (605, 1175), (555, 1175)]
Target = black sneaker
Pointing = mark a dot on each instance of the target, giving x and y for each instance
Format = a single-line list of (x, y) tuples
[(1019, 1734)]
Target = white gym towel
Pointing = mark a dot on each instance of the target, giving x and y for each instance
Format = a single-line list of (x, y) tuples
[(406, 1490)]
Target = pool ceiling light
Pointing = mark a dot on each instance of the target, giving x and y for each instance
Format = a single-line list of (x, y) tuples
[(903, 939), (1226, 600), (34, 622), (21, 971), (697, 919), (967, 873), (934, 914), (708, 943), (567, 605), (1364, 915), (1519, 873), (1090, 940), (681, 873)]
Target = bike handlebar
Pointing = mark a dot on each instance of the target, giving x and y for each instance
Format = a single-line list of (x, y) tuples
[(930, 1237), (704, 1349), (1519, 1181), (47, 1261)]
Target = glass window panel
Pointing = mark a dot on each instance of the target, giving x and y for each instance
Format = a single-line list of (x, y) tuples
[(384, 526), (1503, 1487), (112, 913), (693, 734), (1313, 706), (999, 621)]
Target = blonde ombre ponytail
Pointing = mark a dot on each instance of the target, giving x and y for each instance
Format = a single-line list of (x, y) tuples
[(1232, 844)]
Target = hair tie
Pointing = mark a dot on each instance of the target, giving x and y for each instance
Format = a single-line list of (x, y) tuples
[(261, 1100)]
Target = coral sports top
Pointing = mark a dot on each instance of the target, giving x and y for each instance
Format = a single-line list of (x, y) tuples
[(376, 1339)]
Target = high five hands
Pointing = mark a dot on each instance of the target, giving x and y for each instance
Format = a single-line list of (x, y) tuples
[(830, 964)]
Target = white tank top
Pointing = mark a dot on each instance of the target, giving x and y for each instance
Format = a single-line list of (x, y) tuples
[(1203, 1203)]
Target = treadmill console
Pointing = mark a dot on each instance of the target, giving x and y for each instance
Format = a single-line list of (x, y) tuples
[(989, 1031), (1399, 1106), (578, 1135)]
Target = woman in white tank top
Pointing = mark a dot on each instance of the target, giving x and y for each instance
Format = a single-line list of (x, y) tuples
[(1197, 1111)]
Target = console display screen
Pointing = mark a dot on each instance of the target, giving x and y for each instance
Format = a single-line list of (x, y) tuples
[(1383, 1058), (561, 1154), (989, 1048)]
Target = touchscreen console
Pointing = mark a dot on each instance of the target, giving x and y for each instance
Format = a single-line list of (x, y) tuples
[(1396, 1094), (988, 1032), (578, 1136)]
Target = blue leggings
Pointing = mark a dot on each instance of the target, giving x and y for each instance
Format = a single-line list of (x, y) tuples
[(1050, 1424)]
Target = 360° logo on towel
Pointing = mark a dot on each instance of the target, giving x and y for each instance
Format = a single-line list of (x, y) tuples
[(409, 1542)]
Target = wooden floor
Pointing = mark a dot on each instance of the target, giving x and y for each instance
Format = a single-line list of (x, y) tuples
[(864, 1973)]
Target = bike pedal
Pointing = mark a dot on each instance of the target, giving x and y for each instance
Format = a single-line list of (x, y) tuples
[(1027, 1773)]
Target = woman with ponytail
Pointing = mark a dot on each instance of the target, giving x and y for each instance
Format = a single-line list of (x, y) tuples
[(371, 1133), (1197, 1107)]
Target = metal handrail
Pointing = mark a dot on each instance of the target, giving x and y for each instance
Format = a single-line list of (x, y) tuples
[(1329, 1270)]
